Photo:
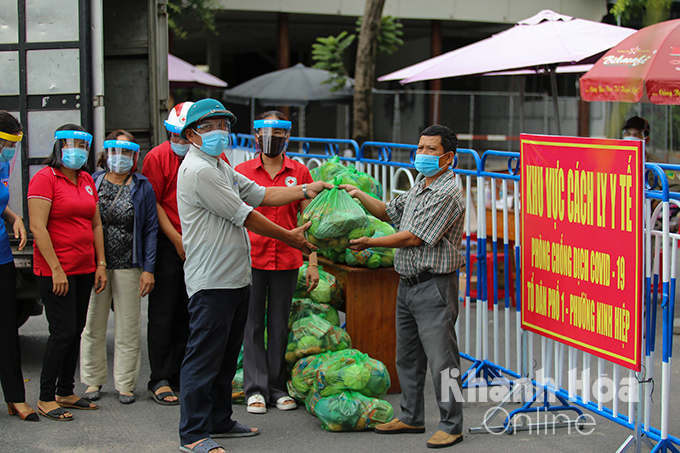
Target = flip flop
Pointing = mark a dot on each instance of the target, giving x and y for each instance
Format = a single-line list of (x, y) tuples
[(81, 404), (238, 430), (286, 403), (159, 398), (55, 414), (257, 409), (202, 447)]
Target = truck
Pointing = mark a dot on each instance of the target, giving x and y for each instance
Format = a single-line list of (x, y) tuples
[(102, 64)]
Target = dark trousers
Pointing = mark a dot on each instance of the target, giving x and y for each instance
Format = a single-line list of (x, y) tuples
[(168, 327), (10, 353), (66, 316), (217, 320), (264, 369)]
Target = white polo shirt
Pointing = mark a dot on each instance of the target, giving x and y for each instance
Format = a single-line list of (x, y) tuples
[(211, 200)]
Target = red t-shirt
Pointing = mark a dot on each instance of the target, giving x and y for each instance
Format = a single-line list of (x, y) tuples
[(70, 220), (160, 166), (270, 254)]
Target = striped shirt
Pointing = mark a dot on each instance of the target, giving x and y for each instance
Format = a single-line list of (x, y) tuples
[(435, 214)]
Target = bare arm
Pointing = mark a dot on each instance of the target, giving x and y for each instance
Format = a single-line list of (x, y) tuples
[(257, 223), (375, 207), (279, 195), (39, 212), (100, 278), (17, 225), (166, 227), (396, 240)]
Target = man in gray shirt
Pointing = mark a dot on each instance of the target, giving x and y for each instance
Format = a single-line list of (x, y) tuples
[(215, 206)]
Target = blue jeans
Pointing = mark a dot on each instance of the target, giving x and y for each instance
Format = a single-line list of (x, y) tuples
[(426, 315), (217, 318)]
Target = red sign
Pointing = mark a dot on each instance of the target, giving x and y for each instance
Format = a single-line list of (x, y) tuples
[(582, 236)]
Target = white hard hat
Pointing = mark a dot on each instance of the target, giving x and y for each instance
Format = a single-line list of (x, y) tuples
[(178, 117)]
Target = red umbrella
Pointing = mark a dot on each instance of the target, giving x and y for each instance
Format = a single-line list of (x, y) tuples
[(645, 66)]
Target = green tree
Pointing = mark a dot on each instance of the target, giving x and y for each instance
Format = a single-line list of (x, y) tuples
[(181, 11), (651, 11)]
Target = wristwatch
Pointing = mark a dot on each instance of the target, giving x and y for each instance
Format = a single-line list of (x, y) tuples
[(304, 192), (101, 263)]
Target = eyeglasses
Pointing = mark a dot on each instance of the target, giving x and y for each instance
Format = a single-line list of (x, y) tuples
[(212, 125)]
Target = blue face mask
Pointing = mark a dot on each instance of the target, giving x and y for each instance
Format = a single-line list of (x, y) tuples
[(214, 142), (427, 165), (7, 154), (179, 149), (120, 163), (73, 158)]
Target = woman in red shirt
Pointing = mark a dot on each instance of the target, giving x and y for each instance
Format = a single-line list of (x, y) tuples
[(68, 260), (275, 268)]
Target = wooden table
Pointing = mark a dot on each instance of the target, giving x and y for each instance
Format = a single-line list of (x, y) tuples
[(370, 300)]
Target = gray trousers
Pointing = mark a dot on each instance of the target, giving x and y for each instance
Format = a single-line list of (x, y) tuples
[(264, 369), (426, 315)]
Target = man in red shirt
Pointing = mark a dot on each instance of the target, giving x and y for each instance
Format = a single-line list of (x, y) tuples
[(168, 328)]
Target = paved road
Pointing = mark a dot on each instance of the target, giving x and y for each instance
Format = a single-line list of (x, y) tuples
[(147, 427)]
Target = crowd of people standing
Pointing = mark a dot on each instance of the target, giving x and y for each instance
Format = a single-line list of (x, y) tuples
[(217, 250)]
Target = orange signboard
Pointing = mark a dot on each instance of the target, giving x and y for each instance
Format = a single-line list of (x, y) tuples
[(582, 239)]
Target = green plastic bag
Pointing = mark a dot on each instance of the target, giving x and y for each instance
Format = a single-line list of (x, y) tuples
[(328, 170), (375, 256), (303, 375), (335, 218), (304, 307), (328, 291), (351, 369), (314, 335), (351, 411), (362, 181)]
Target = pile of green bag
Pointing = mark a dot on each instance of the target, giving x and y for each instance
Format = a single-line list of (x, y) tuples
[(328, 291), (301, 308), (336, 218), (237, 394), (314, 335), (351, 369), (351, 411), (332, 169), (303, 375)]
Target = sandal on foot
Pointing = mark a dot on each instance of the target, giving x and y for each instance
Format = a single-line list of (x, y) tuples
[(286, 403), (205, 446), (93, 396), (256, 409), (126, 399), (82, 404), (160, 398), (238, 430), (58, 414)]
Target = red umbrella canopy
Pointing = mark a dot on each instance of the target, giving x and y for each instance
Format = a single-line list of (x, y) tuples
[(645, 66)]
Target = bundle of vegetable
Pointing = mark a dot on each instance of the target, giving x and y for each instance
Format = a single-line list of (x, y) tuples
[(314, 335), (303, 375), (352, 370), (335, 218), (351, 411), (332, 168), (302, 308), (328, 170), (237, 394), (328, 291), (375, 256)]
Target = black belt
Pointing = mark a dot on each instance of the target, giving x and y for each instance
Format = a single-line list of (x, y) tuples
[(419, 278)]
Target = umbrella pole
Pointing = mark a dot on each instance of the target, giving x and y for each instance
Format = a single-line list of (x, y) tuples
[(553, 83)]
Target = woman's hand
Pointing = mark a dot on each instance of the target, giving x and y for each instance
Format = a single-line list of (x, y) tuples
[(312, 277), (146, 283), (20, 232), (100, 279), (59, 283)]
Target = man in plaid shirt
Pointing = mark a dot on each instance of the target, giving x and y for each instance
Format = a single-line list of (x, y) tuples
[(429, 219)]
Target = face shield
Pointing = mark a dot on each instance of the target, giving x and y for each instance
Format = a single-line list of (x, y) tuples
[(10, 146), (272, 136), (121, 155), (75, 147)]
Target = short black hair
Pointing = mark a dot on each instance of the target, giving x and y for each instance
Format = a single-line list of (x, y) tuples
[(447, 136), (9, 124), (638, 123), (54, 159)]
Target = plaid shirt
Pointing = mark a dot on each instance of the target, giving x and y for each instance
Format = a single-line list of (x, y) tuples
[(435, 214)]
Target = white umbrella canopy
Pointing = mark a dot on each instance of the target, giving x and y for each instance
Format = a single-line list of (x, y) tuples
[(545, 39)]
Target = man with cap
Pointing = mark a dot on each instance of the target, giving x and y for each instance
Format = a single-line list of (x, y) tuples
[(168, 327), (215, 206)]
